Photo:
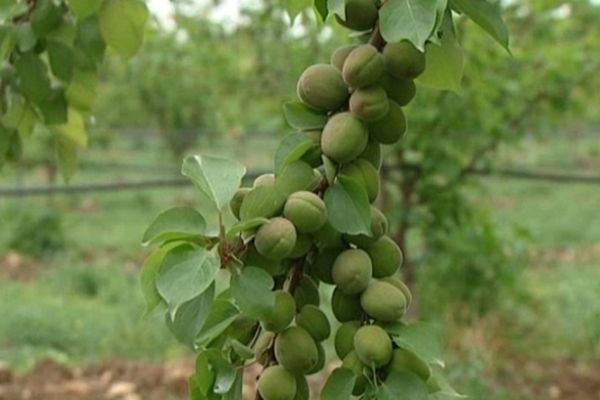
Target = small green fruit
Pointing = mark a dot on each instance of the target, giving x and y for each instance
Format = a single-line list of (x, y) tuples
[(275, 239), (320, 362), (395, 281), (277, 383), (282, 313), (390, 128), (365, 174), (369, 104), (403, 61), (372, 153), (379, 226), (340, 54), (306, 210), (386, 257), (345, 307), (360, 15), (263, 201), (373, 345), (314, 321), (296, 350), (404, 360), (321, 87), (262, 347), (236, 202), (352, 271), (264, 180), (344, 137), (383, 301), (344, 338), (363, 67), (402, 91)]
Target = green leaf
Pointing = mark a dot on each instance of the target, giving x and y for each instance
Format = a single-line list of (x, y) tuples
[(66, 153), (81, 92), (243, 351), (235, 392), (222, 314), (444, 66), (446, 390), (348, 207), (33, 75), (190, 317), (205, 376), (339, 385), (185, 273), (295, 7), (84, 8), (62, 59), (330, 169), (46, 17), (225, 372), (175, 223), (251, 290), (411, 20), (425, 340), (54, 109), (90, 41), (486, 15), (218, 178), (245, 226), (26, 38), (74, 129), (402, 385), (122, 24), (301, 117), (320, 7), (302, 389), (262, 201), (337, 7), (148, 275), (291, 148)]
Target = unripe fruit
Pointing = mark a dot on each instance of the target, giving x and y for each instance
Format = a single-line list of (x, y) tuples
[(360, 15), (276, 239), (262, 347), (352, 271), (383, 301), (321, 87), (345, 307), (282, 313), (264, 180), (403, 60), (313, 156), (277, 383), (402, 91), (340, 54), (404, 360), (363, 67), (344, 137), (236, 202), (320, 364), (369, 104), (307, 292), (433, 385), (314, 321), (296, 350), (352, 362), (372, 153), (379, 226), (297, 176), (344, 338), (389, 129), (303, 244), (328, 237), (255, 259), (395, 281), (323, 264), (373, 345), (306, 210), (386, 257), (365, 174)]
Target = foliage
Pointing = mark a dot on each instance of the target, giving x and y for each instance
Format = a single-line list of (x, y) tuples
[(38, 234)]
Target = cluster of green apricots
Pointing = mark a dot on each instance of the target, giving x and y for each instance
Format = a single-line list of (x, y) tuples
[(362, 91)]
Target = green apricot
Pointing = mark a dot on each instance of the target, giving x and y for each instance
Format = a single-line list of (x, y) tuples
[(386, 257), (297, 176), (303, 244), (403, 60), (372, 153), (321, 87), (352, 271), (340, 54), (296, 350), (353, 363), (365, 174), (328, 237), (383, 301), (264, 180), (236, 202), (313, 156), (282, 313), (275, 239), (345, 307), (433, 384), (404, 360), (323, 264), (373, 345), (402, 91), (363, 67), (307, 292), (306, 210), (320, 364), (262, 347), (389, 129), (393, 280), (344, 338), (360, 15), (314, 321), (370, 103), (344, 137), (254, 258), (277, 383), (379, 226)]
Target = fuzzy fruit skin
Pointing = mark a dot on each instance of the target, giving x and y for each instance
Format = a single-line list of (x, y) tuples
[(403, 61), (404, 360), (344, 338), (365, 174), (282, 313), (277, 383), (372, 153), (307, 292), (353, 363), (369, 104), (344, 137), (373, 345), (345, 307), (296, 350), (321, 87), (314, 321), (379, 226), (264, 180), (276, 239), (297, 176), (306, 210), (389, 129), (395, 281), (402, 91), (323, 264), (236, 202), (386, 257), (383, 301), (340, 54), (360, 15), (363, 67), (352, 270)]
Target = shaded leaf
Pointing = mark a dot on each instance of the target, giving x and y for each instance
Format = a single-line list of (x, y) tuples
[(251, 290), (81, 91), (348, 207), (444, 66), (222, 314), (245, 226), (339, 385), (402, 385), (187, 321), (62, 59), (301, 117), (487, 16), (33, 75), (321, 9), (291, 148), (425, 340)]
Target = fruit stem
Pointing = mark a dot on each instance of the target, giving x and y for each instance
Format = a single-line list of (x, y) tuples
[(376, 40)]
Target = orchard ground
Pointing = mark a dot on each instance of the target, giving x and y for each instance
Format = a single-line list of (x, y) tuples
[(71, 308)]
